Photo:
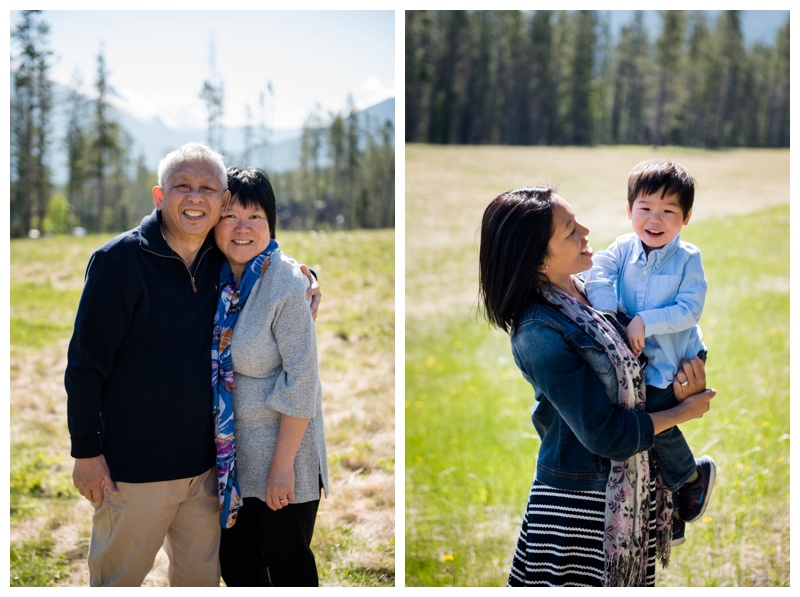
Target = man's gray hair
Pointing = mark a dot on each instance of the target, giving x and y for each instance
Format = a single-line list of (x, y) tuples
[(191, 152)]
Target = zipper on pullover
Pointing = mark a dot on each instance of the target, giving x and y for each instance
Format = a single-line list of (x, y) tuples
[(189, 271)]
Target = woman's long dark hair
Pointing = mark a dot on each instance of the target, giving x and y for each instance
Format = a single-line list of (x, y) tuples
[(515, 233)]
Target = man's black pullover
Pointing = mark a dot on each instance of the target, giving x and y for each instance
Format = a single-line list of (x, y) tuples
[(138, 375)]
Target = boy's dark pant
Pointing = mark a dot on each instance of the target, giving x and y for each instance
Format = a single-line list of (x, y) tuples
[(673, 455)]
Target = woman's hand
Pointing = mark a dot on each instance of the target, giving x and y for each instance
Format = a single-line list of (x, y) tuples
[(690, 379), (696, 405), (279, 489), (692, 407)]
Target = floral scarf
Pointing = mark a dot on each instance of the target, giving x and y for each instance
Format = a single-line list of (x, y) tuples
[(232, 298), (627, 526)]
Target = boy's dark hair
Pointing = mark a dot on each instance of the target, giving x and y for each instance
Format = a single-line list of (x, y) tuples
[(650, 176), (515, 233), (251, 188)]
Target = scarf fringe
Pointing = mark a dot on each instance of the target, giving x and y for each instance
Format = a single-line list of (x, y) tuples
[(630, 569), (626, 570), (664, 544)]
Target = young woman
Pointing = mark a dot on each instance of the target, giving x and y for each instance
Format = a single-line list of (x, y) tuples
[(598, 513)]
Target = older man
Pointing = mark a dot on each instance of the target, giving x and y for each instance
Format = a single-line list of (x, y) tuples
[(138, 383)]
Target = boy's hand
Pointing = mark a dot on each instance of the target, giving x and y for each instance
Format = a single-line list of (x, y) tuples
[(635, 331)]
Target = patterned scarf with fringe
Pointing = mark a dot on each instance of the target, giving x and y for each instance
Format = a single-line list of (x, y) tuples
[(627, 510), (232, 298)]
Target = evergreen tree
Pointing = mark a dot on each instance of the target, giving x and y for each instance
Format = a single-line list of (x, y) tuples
[(479, 77), (695, 112), (777, 134), (669, 68), (107, 150), (725, 79), (213, 94), (337, 155), (249, 149), (76, 147), (543, 100), (444, 92), (516, 118), (418, 70), (312, 186), (581, 77), (31, 110), (141, 190), (560, 77), (352, 164)]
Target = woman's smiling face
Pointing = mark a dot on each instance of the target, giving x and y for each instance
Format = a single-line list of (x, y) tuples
[(241, 234), (568, 251)]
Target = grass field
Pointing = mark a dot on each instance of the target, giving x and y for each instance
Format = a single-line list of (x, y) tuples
[(354, 538), (470, 447)]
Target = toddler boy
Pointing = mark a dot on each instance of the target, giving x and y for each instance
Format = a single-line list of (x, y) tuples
[(658, 281)]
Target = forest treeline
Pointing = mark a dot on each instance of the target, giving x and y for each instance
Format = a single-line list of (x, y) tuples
[(345, 179), (561, 78)]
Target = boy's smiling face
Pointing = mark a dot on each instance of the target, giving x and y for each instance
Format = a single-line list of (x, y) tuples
[(657, 220)]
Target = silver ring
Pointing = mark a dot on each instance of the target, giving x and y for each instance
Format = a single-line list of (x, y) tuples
[(685, 383)]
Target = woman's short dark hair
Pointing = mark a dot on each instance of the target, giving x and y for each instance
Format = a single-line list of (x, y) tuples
[(515, 233), (251, 187)]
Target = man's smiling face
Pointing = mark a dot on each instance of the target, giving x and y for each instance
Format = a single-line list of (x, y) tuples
[(190, 202)]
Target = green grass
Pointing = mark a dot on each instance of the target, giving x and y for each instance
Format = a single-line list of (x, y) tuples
[(46, 280), (471, 448), (355, 329), (34, 564)]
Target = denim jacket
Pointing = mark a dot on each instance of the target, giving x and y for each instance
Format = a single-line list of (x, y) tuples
[(576, 414)]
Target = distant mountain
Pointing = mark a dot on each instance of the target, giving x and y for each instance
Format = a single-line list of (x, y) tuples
[(153, 139)]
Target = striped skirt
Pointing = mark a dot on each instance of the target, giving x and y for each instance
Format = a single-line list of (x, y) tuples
[(561, 541)]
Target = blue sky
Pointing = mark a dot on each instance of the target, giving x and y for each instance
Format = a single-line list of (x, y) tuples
[(757, 25), (157, 61)]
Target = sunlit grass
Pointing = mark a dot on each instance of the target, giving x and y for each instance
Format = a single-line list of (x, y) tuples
[(354, 536), (34, 563)]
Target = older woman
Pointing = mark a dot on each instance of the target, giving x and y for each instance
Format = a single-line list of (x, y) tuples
[(272, 465), (598, 513)]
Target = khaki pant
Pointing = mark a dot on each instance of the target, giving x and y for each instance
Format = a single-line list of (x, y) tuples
[(130, 527)]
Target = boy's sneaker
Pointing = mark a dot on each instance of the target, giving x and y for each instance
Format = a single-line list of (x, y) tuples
[(693, 497), (678, 532)]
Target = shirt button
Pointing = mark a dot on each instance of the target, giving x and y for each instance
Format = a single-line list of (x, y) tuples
[(644, 272)]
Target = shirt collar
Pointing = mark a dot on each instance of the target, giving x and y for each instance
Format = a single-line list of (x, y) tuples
[(657, 256), (151, 237)]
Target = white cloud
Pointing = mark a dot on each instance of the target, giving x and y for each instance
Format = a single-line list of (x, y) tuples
[(373, 91)]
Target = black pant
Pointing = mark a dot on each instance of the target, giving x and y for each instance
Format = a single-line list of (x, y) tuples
[(270, 548)]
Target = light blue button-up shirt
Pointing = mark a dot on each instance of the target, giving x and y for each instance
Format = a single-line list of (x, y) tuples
[(667, 289)]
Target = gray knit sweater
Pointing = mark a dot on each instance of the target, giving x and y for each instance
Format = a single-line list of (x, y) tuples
[(274, 356)]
